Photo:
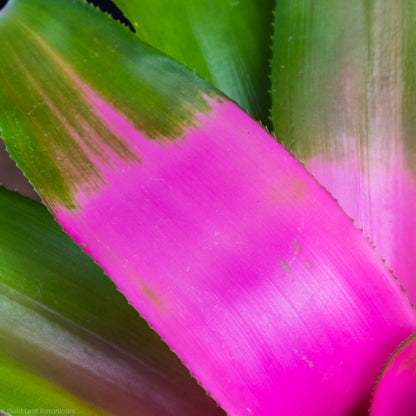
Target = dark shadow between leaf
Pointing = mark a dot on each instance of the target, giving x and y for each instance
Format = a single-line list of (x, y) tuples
[(109, 7), (2, 4)]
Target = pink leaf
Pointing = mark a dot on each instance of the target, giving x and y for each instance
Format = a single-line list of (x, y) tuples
[(395, 393)]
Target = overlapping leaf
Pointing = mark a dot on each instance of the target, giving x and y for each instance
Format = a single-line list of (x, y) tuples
[(225, 41), (395, 393), (344, 101), (217, 235), (69, 342)]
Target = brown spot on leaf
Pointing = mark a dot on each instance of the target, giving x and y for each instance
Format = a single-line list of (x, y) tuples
[(153, 297), (297, 187), (296, 246), (288, 189), (284, 265)]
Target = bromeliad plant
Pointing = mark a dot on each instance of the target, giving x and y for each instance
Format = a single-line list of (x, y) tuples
[(247, 268)]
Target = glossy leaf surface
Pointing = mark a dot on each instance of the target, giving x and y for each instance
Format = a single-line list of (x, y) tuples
[(344, 101), (395, 393), (226, 42), (68, 338), (218, 236)]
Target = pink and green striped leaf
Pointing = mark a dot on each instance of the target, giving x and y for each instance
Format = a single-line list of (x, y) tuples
[(68, 339), (226, 42), (344, 101), (395, 393), (246, 267)]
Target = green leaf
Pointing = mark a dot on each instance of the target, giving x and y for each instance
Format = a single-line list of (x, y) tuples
[(217, 235), (344, 102), (68, 338), (51, 86), (226, 42), (22, 391)]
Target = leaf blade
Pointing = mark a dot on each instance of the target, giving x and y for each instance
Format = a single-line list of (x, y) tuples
[(343, 102), (395, 389), (19, 378), (215, 234), (225, 42), (64, 325)]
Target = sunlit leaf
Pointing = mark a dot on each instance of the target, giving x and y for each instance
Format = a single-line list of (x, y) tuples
[(218, 236), (395, 393), (227, 42), (344, 101), (67, 337)]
